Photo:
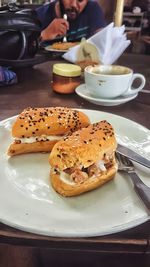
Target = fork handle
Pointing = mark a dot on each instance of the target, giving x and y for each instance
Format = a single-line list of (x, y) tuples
[(141, 189)]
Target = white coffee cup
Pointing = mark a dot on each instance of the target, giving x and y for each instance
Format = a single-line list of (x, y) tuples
[(110, 81)]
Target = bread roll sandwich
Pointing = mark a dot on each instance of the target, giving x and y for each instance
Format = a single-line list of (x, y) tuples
[(87, 55), (84, 160), (38, 129)]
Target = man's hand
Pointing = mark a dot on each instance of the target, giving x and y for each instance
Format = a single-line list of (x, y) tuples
[(58, 27)]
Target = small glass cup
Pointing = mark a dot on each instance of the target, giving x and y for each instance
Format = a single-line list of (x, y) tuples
[(65, 78)]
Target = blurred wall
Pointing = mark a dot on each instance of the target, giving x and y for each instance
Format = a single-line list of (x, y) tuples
[(108, 7), (128, 2)]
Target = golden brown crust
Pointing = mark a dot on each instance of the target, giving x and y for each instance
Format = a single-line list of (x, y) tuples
[(84, 147), (68, 190), (43, 122), (22, 148), (64, 46), (48, 121), (87, 54), (78, 153)]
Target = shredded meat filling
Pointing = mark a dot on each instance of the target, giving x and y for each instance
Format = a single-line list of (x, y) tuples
[(108, 164), (17, 141), (93, 170), (79, 175)]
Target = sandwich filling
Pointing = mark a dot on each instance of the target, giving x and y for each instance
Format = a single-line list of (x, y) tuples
[(79, 174), (29, 140)]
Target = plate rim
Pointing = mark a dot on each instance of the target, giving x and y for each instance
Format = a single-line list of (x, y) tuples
[(33, 230)]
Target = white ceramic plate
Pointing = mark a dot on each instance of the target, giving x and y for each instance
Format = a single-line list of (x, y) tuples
[(84, 93), (50, 49), (28, 202)]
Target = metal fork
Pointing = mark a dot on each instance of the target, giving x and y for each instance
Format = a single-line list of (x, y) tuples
[(65, 37), (143, 191)]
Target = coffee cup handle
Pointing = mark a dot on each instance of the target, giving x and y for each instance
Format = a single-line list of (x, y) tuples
[(132, 90)]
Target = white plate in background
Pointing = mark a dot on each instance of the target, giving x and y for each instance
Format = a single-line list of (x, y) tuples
[(50, 49)]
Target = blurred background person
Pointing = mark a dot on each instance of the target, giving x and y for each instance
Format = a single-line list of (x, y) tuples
[(84, 18)]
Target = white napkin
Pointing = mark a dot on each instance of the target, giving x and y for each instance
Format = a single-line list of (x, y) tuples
[(111, 42)]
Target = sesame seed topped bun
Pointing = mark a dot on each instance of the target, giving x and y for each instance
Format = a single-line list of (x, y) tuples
[(85, 160), (38, 129)]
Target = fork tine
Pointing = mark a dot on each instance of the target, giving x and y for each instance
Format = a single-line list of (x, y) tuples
[(124, 160), (119, 158), (124, 164), (130, 162)]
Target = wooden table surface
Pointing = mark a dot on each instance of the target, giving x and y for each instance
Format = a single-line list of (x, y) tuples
[(34, 89)]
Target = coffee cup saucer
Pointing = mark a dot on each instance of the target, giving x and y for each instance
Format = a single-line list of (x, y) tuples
[(84, 93)]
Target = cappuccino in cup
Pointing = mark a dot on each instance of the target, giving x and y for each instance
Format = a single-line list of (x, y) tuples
[(110, 81)]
